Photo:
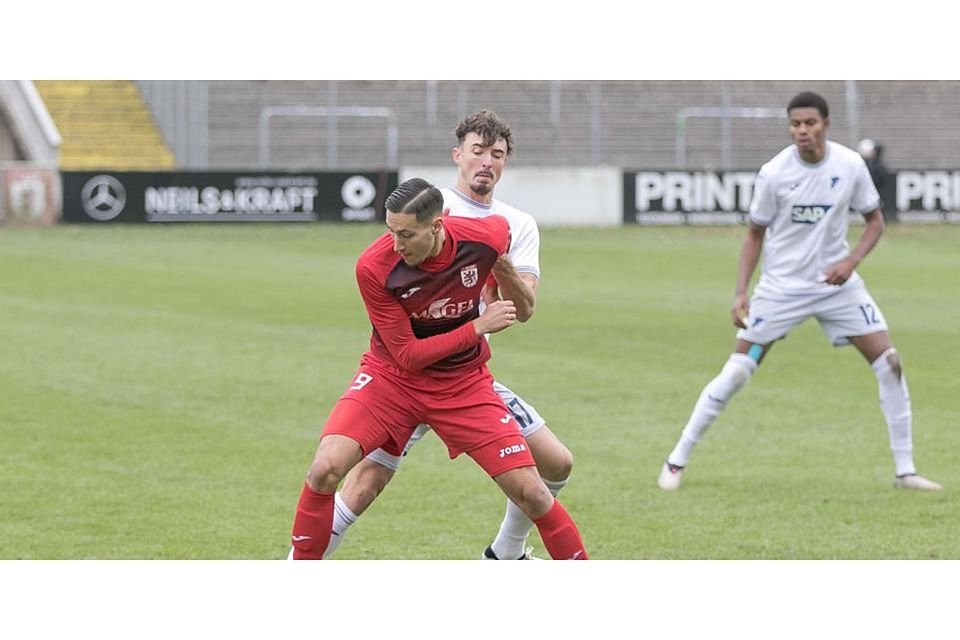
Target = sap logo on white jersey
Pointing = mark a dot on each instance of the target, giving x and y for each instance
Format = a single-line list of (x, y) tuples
[(809, 213), (443, 308), (517, 448)]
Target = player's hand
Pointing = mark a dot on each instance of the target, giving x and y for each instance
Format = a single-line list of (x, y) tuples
[(740, 310), (496, 317), (840, 272)]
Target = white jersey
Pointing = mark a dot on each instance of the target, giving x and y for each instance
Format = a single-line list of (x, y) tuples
[(805, 208), (524, 233)]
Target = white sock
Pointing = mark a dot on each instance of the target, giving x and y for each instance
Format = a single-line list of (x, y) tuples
[(712, 401), (343, 517), (512, 537), (895, 404)]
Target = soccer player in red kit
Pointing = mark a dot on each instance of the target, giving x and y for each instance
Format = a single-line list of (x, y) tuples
[(421, 284)]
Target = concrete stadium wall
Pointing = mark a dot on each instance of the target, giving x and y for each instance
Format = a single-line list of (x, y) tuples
[(628, 123), (555, 197)]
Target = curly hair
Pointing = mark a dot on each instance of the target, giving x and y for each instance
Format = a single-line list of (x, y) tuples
[(488, 126)]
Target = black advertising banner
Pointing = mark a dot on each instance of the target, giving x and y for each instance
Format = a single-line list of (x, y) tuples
[(157, 196), (723, 197), (687, 197), (927, 196)]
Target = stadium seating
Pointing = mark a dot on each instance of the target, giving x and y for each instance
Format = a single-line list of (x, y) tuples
[(104, 124)]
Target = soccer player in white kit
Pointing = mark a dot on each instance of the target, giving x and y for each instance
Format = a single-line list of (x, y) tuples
[(484, 143), (799, 216)]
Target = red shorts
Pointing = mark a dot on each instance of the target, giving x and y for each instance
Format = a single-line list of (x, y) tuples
[(385, 404)]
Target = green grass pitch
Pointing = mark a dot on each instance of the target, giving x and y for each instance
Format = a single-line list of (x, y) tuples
[(162, 389)]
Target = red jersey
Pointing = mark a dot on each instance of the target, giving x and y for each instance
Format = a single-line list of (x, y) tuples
[(422, 315)]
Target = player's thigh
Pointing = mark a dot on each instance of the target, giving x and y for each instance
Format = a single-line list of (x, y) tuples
[(350, 420), (872, 345), (851, 312), (554, 460), (528, 419), (771, 319), (392, 461), (474, 420), (471, 415), (376, 411)]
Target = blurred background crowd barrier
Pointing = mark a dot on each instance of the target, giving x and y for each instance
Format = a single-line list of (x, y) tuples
[(587, 152)]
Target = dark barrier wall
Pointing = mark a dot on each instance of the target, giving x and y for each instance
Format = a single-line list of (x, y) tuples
[(927, 196), (723, 197), (686, 197), (135, 196)]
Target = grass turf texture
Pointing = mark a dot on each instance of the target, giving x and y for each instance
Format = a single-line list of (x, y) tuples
[(163, 388)]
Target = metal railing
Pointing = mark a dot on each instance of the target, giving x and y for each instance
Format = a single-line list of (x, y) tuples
[(591, 120), (331, 113), (725, 113), (38, 135)]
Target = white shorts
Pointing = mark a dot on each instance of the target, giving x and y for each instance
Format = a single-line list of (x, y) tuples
[(526, 416), (849, 311)]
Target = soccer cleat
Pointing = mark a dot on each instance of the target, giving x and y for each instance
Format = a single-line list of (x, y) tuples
[(917, 482), (670, 477), (488, 554)]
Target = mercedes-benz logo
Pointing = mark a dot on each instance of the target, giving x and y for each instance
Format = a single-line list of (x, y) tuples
[(103, 197)]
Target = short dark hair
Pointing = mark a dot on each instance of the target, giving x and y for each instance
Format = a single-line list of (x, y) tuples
[(809, 99), (416, 196), (488, 126)]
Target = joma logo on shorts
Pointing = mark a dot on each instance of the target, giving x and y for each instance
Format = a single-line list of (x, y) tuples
[(517, 448), (809, 213)]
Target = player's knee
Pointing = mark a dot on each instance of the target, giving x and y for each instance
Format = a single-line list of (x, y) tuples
[(893, 360), (557, 465), (734, 375), (533, 497), (323, 476)]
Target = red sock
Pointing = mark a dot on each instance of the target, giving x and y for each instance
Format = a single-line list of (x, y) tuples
[(312, 524), (560, 535)]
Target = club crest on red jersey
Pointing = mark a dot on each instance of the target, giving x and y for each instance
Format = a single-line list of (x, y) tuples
[(469, 276)]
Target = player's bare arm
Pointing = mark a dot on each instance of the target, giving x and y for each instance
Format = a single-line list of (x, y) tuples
[(749, 256), (490, 293), (496, 317), (874, 227), (521, 288)]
